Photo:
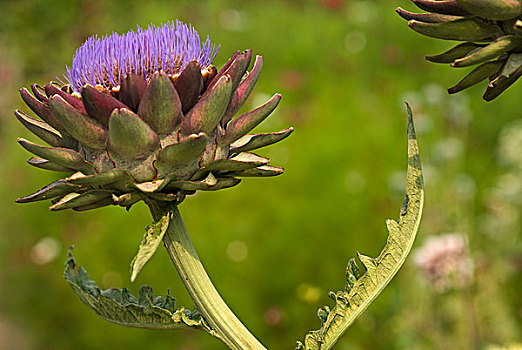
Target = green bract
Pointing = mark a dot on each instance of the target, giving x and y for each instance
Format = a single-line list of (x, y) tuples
[(491, 32), (156, 138)]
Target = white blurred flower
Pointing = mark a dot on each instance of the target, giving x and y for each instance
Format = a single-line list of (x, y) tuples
[(367, 12), (509, 188), (45, 250), (445, 262), (459, 110), (447, 149), (464, 186), (510, 144), (434, 94)]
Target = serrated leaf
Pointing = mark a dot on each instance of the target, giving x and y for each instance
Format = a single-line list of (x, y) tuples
[(121, 307), (351, 302), (149, 244)]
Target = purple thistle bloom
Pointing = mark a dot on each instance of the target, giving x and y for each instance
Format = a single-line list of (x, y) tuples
[(108, 60), (150, 119)]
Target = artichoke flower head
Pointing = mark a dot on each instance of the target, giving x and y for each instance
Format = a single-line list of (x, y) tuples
[(146, 116), (490, 32)]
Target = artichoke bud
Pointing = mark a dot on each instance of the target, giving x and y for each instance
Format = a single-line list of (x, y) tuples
[(490, 34), (152, 128)]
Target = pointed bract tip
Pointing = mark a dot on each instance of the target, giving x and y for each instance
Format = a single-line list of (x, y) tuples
[(403, 13), (452, 90), (411, 126)]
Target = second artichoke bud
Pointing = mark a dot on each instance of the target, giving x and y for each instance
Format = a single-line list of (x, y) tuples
[(491, 35)]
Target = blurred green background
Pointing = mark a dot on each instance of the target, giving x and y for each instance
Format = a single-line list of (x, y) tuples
[(275, 247)]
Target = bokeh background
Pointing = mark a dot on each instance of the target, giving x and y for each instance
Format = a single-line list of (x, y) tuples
[(275, 247)]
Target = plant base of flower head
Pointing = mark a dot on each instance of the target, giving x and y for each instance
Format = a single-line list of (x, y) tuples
[(155, 127), (491, 36)]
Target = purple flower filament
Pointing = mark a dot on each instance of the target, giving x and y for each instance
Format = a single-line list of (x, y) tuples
[(108, 60)]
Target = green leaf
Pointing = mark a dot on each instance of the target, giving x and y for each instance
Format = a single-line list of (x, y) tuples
[(149, 244), (121, 307), (361, 291)]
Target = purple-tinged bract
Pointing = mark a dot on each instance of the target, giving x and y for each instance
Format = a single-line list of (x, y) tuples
[(108, 60)]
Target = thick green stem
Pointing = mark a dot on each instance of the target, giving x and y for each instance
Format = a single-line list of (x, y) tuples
[(207, 299)]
